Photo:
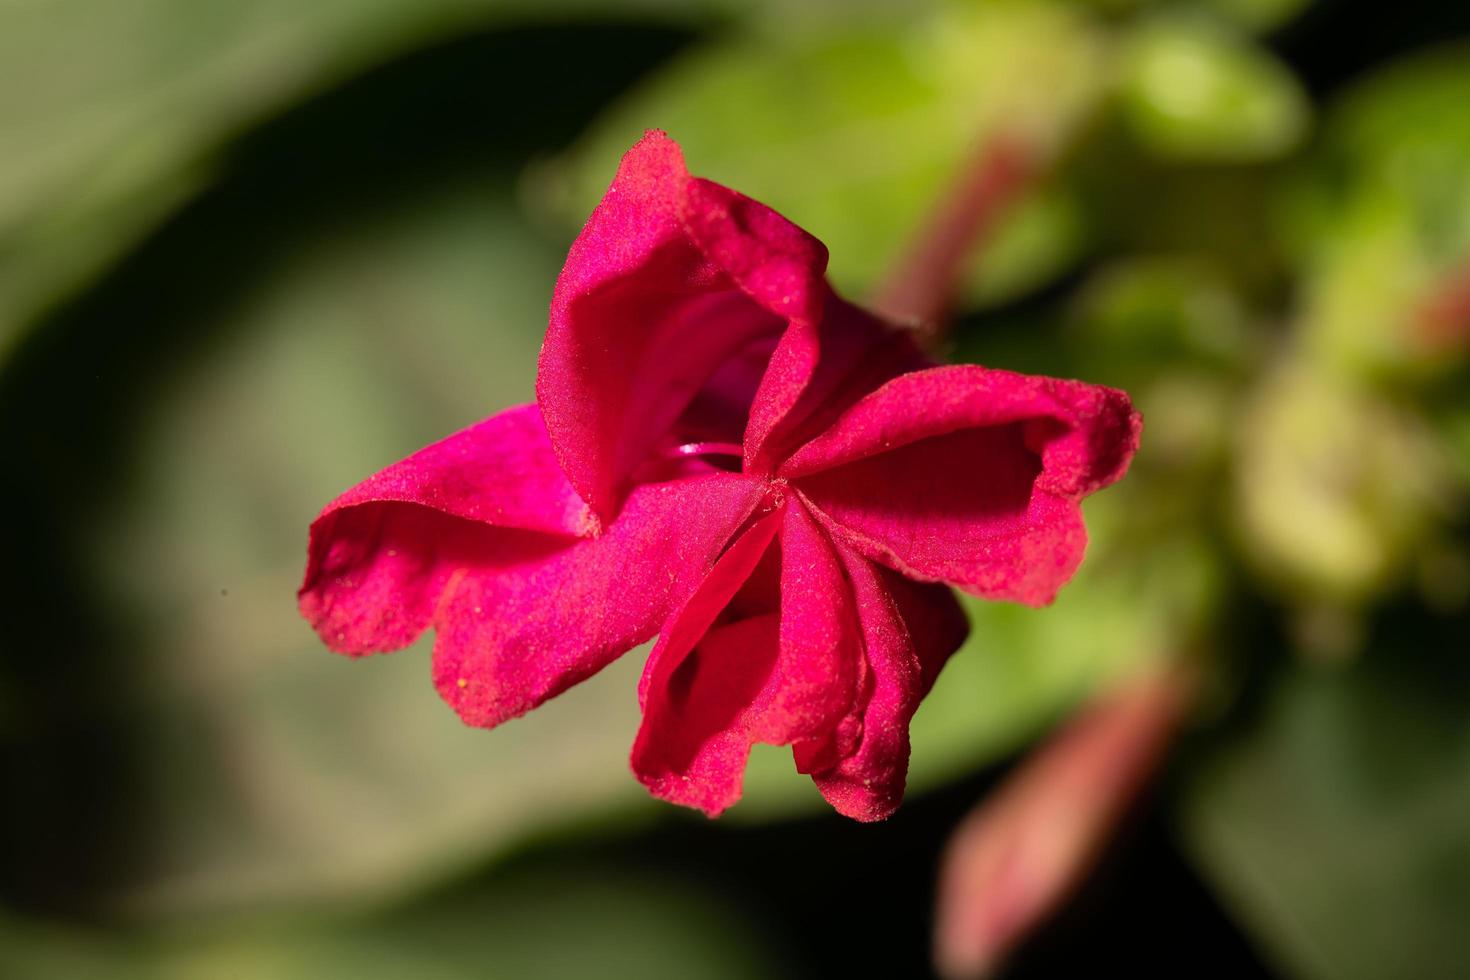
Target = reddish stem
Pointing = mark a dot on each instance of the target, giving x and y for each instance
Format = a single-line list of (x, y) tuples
[(926, 280), (1444, 319), (1021, 853)]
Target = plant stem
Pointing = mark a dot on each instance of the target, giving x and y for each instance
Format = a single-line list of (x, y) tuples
[(1022, 852), (1444, 319), (924, 284)]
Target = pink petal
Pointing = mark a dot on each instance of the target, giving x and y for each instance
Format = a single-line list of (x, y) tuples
[(970, 476), (821, 646), (773, 261), (730, 672), (817, 372), (508, 639), (700, 682), (909, 631), (1019, 855), (379, 555), (671, 278)]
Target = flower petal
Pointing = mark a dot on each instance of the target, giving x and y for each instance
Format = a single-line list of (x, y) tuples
[(379, 555), (818, 371), (909, 630), (711, 601), (970, 476), (733, 670), (700, 681), (508, 639), (776, 263), (671, 278), (821, 645)]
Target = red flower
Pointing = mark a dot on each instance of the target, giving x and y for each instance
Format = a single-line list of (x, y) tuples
[(729, 456)]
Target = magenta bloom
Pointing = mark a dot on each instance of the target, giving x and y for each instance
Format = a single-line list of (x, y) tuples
[(726, 455)]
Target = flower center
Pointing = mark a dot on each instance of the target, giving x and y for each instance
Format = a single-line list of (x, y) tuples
[(774, 497), (708, 449)]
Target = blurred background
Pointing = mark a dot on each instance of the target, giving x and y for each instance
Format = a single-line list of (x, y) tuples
[(251, 252)]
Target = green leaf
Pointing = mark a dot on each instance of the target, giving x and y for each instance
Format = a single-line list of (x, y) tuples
[(274, 769), (1257, 16), (1139, 595), (1192, 90), (112, 115), (853, 130), (339, 301), (514, 925), (1335, 488), (1140, 317), (1383, 217), (1334, 822)]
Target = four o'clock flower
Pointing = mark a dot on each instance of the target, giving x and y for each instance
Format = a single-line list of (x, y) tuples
[(726, 455)]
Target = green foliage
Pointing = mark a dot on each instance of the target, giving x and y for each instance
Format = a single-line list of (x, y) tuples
[(625, 926), (113, 114), (272, 770), (1337, 488), (1334, 822), (1383, 216), (1253, 15), (849, 129), (1193, 91)]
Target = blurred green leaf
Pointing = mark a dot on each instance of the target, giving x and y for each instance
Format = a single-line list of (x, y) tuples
[(1255, 15), (1192, 90), (1365, 292), (1170, 331), (111, 114), (1141, 596), (1452, 417), (1383, 217), (1139, 317), (359, 285), (1252, 15), (1153, 576), (1334, 823), (273, 768), (852, 130), (1405, 130), (548, 922), (1335, 487)]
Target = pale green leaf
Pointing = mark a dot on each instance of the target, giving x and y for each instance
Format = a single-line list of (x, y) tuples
[(1192, 90), (111, 113), (855, 130)]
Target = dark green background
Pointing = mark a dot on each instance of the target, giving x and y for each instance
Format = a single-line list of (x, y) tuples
[(250, 253)]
